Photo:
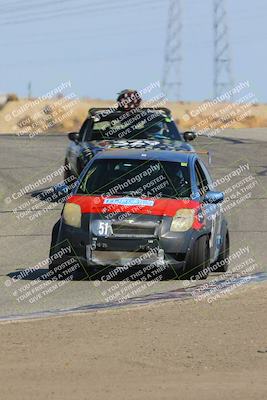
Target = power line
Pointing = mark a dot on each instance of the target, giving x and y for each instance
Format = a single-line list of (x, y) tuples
[(124, 23), (14, 6), (38, 6), (173, 52), (82, 10), (222, 60)]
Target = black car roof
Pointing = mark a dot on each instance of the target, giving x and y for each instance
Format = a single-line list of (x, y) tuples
[(160, 155), (111, 113)]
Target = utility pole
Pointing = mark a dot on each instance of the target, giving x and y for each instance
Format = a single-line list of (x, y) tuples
[(171, 82), (222, 60), (29, 90)]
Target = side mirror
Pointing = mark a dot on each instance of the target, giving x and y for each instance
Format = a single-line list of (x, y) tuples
[(188, 136), (74, 136), (62, 189), (213, 197)]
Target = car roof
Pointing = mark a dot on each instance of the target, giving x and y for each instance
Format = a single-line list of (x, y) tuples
[(108, 114), (160, 155)]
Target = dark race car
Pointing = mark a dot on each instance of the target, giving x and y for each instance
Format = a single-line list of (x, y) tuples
[(116, 128), (133, 208)]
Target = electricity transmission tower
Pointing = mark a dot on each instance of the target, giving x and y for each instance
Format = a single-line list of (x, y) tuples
[(173, 57), (222, 60)]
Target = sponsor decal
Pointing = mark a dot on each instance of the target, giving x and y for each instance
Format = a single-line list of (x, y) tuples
[(129, 201)]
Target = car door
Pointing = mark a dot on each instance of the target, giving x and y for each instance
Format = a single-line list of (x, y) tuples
[(211, 211)]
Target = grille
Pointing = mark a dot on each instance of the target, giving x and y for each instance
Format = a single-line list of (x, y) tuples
[(134, 229)]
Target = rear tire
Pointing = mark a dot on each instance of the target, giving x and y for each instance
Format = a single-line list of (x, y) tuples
[(198, 260), (223, 255), (52, 266)]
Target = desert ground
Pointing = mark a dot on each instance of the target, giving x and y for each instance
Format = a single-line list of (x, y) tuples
[(172, 350)]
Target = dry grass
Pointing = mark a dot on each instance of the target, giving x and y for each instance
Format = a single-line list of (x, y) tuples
[(60, 115)]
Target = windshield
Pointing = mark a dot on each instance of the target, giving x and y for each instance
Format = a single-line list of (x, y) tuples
[(139, 126), (151, 178)]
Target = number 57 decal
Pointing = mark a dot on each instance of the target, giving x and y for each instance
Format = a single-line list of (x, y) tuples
[(103, 228)]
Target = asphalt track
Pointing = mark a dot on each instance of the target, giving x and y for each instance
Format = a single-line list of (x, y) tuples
[(25, 238)]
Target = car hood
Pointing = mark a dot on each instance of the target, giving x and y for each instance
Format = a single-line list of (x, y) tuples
[(136, 205), (117, 205)]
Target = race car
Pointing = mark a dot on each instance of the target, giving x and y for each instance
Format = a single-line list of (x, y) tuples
[(132, 208), (127, 126)]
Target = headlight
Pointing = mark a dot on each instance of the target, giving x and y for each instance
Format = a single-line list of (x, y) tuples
[(72, 214), (183, 220)]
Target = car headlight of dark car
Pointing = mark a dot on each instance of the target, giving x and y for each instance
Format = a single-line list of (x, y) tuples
[(183, 220), (72, 215)]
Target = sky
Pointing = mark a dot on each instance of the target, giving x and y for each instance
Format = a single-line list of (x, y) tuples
[(104, 46)]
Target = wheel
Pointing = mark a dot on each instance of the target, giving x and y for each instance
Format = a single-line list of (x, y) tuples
[(198, 261), (52, 266), (222, 262)]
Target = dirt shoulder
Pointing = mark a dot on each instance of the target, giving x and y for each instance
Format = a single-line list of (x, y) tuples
[(172, 350)]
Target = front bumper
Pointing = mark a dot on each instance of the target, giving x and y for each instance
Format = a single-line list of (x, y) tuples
[(128, 251)]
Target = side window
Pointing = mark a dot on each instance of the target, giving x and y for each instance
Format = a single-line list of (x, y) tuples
[(85, 130), (201, 179), (207, 174), (173, 131)]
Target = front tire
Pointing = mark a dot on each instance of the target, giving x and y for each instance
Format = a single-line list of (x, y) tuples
[(198, 260)]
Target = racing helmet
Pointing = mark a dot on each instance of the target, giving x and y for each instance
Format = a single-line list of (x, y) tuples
[(128, 99)]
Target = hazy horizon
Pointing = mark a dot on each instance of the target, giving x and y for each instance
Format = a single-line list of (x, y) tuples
[(103, 47)]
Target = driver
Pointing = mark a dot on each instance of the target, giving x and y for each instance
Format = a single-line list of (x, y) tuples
[(128, 99)]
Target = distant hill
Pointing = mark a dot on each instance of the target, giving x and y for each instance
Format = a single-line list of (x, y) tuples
[(30, 117)]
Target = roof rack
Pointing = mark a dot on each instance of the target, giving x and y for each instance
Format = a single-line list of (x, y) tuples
[(202, 152), (95, 111)]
